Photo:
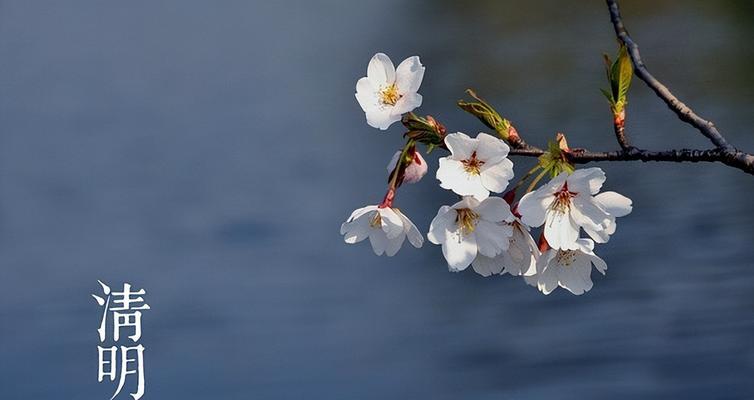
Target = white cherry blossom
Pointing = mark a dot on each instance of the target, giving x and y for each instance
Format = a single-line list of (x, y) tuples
[(567, 203), (386, 93), (414, 171), (386, 228), (476, 166), (569, 269), (469, 228), (519, 259)]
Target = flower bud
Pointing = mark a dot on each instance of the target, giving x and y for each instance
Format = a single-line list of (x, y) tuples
[(424, 130), (488, 116), (415, 169)]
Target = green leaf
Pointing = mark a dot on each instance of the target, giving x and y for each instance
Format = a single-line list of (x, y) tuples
[(625, 72), (614, 84), (554, 160), (608, 96), (619, 73), (608, 64)]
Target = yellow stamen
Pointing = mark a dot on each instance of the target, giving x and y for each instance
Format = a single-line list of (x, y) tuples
[(566, 257), (472, 165), (390, 95), (466, 219)]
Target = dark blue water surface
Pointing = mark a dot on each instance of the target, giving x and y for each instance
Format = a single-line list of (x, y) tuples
[(209, 150)]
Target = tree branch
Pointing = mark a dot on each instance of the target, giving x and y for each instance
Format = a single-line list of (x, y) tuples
[(684, 112), (736, 159), (727, 153), (723, 152)]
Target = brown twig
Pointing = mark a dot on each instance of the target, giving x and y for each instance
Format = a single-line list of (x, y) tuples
[(723, 152), (634, 154)]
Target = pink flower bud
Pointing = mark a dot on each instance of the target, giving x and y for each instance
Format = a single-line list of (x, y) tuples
[(414, 171)]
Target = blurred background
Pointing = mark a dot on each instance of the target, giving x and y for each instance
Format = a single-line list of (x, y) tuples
[(209, 151)]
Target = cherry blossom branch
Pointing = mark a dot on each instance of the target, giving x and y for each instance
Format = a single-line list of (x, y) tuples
[(685, 113), (723, 152), (395, 179), (581, 156)]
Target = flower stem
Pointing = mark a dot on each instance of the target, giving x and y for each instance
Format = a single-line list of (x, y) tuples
[(525, 177), (536, 180), (394, 179)]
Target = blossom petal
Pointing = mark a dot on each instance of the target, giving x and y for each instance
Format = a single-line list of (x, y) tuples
[(587, 213), (532, 208), (491, 238), (414, 236), (381, 118), (443, 223), (491, 150), (575, 277), (381, 71), (487, 266), (550, 188), (409, 75), (547, 276), (599, 263), (532, 267), (357, 228), (453, 176), (495, 177), (366, 94), (587, 180), (392, 224), (460, 145), (512, 260), (355, 231), (614, 203), (360, 211), (521, 256), (533, 250), (364, 86), (467, 202), (393, 245), (560, 232), (591, 211), (494, 209), (378, 239), (407, 103), (459, 250), (586, 246), (600, 235)]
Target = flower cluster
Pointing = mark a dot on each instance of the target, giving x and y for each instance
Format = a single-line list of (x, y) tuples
[(490, 233)]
